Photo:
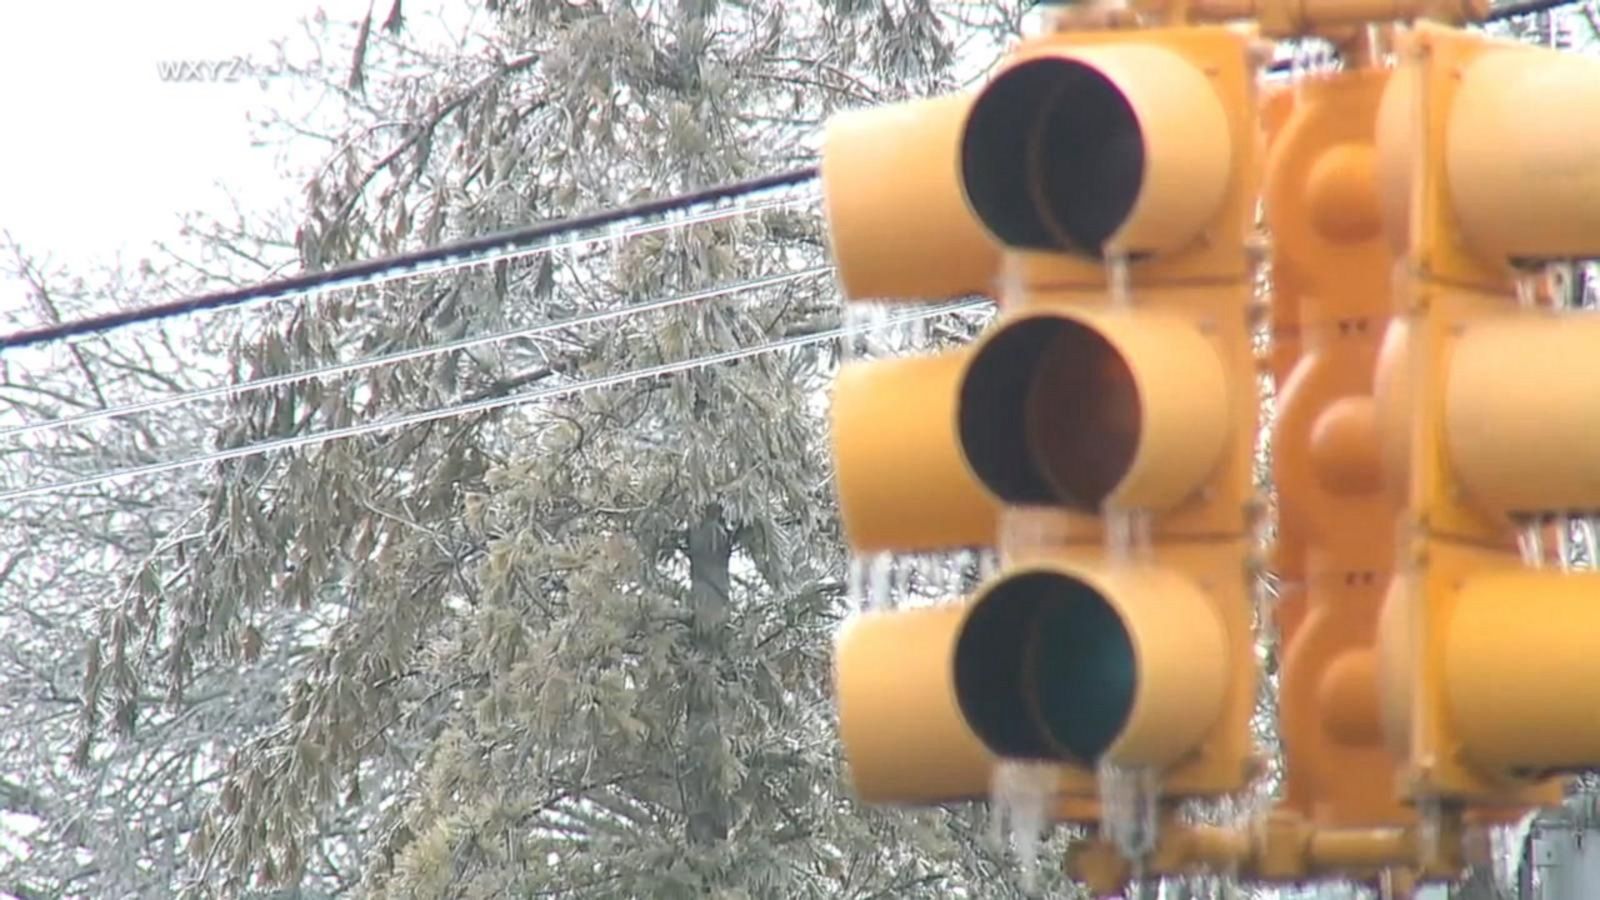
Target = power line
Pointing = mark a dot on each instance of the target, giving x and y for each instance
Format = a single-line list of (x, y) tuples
[(429, 259), (1527, 8), (400, 356), (485, 405), (1496, 14)]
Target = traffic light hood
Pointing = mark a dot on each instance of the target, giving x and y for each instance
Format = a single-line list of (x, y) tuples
[(901, 480), (898, 224), (1534, 196), (1079, 664), (1097, 150), (1093, 410), (903, 736)]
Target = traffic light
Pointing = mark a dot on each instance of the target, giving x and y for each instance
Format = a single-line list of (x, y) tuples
[(1117, 400), (1332, 273), (1100, 434), (1487, 410), (1102, 188)]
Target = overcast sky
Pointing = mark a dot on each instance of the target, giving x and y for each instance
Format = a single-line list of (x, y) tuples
[(98, 153)]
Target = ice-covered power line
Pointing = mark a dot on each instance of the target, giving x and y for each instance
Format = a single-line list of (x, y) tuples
[(410, 355), (500, 245), (477, 406), (1502, 12), (1497, 13)]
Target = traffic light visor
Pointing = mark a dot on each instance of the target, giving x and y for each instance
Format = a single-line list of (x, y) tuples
[(1097, 150), (1538, 196), (1055, 663), (901, 479), (1522, 410), (1085, 411), (898, 225), (1045, 669), (903, 736)]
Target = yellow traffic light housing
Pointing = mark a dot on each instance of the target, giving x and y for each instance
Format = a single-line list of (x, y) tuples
[(1100, 435), (1094, 410), (898, 224), (1332, 272), (1102, 187), (1484, 416), (1113, 408)]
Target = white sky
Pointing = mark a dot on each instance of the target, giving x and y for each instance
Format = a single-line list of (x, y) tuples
[(99, 154)]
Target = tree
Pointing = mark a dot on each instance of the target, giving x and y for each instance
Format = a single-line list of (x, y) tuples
[(106, 819), (572, 647)]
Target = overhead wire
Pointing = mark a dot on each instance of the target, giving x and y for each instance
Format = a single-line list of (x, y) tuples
[(919, 313), (1528, 8), (409, 355), (1497, 13), (437, 258)]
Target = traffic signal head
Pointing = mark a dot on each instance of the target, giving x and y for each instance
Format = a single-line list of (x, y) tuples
[(1332, 283), (1536, 196), (1496, 384), (1097, 150), (1090, 411), (1084, 664), (1521, 408), (1487, 152), (1489, 144), (1114, 171)]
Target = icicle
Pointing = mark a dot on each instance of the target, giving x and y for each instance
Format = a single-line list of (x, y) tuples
[(1503, 853), (901, 568), (857, 327), (1012, 291), (965, 575), (918, 333), (1588, 540), (855, 591), (1562, 280), (1020, 794), (1128, 808), (1023, 529), (933, 572), (1119, 281), (1527, 286), (1430, 831), (988, 564), (879, 334), (1127, 535), (878, 596), (1530, 542)]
